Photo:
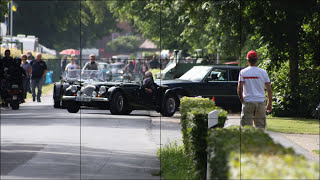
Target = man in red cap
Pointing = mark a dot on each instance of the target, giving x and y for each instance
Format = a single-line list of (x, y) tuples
[(251, 92)]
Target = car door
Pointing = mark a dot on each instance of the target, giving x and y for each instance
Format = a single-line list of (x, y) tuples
[(217, 85)]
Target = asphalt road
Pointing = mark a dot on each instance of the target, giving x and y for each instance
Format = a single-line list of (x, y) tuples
[(40, 142)]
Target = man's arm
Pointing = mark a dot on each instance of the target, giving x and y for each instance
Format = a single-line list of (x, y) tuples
[(240, 90), (45, 70), (269, 91)]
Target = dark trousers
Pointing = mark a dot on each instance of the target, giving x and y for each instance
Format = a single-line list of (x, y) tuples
[(37, 82), (26, 86)]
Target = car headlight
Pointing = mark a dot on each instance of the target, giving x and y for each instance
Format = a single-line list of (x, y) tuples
[(74, 89), (94, 94), (102, 90)]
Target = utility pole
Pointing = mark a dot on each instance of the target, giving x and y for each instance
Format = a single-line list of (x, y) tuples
[(11, 21)]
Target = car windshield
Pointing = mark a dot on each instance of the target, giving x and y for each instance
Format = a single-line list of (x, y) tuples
[(103, 66), (197, 73), (84, 75), (92, 75)]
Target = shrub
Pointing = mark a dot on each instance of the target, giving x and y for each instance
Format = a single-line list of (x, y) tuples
[(279, 166), (194, 124), (308, 89), (255, 151)]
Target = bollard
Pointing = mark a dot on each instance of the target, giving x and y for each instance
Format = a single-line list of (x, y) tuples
[(212, 122)]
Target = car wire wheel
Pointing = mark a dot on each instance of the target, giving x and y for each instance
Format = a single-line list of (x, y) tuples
[(171, 105), (119, 103)]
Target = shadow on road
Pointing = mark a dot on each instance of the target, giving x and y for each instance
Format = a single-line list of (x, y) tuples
[(31, 161)]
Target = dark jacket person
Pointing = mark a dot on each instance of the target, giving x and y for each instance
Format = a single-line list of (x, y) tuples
[(38, 72)]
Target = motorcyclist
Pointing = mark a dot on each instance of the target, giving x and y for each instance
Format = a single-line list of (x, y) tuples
[(11, 72), (6, 62)]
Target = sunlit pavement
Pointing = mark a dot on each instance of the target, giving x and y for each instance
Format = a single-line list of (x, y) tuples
[(40, 142)]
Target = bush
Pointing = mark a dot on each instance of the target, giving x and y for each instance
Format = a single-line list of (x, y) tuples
[(308, 90), (194, 124), (256, 152), (264, 166)]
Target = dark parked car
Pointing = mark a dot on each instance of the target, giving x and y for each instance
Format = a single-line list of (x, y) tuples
[(209, 81), (118, 97)]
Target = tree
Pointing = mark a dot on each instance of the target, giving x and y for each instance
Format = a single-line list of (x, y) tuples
[(280, 25), (3, 7), (62, 24), (124, 44)]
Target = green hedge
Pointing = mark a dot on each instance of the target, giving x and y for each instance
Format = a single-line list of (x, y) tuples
[(194, 124), (257, 154)]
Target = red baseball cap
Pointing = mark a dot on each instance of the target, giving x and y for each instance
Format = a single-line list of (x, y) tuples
[(252, 55)]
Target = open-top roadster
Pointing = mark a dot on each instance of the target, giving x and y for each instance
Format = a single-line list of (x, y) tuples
[(118, 97)]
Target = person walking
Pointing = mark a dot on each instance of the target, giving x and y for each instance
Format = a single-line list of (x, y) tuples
[(252, 81), (92, 65), (38, 72), (29, 57), (26, 81)]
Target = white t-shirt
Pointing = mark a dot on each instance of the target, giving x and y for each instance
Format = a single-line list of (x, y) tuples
[(71, 66), (254, 79)]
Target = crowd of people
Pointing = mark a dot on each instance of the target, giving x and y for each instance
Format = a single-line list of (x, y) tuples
[(137, 67), (28, 72)]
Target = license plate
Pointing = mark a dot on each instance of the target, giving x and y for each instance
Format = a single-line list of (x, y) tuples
[(14, 97), (84, 99)]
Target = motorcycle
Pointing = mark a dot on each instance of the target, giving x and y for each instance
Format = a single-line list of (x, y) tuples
[(11, 91)]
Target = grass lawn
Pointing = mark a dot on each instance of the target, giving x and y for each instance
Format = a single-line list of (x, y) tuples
[(174, 162), (293, 125), (316, 152), (47, 88)]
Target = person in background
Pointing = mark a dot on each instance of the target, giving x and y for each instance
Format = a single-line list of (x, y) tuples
[(29, 57), (92, 65), (252, 81), (129, 68), (26, 81), (63, 63), (153, 64), (72, 64), (38, 72)]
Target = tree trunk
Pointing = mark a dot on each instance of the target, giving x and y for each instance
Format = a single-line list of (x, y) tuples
[(293, 51)]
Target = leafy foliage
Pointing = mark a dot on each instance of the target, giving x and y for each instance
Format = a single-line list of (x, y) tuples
[(194, 124), (3, 7), (309, 88), (124, 44), (175, 164), (63, 24), (249, 147)]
